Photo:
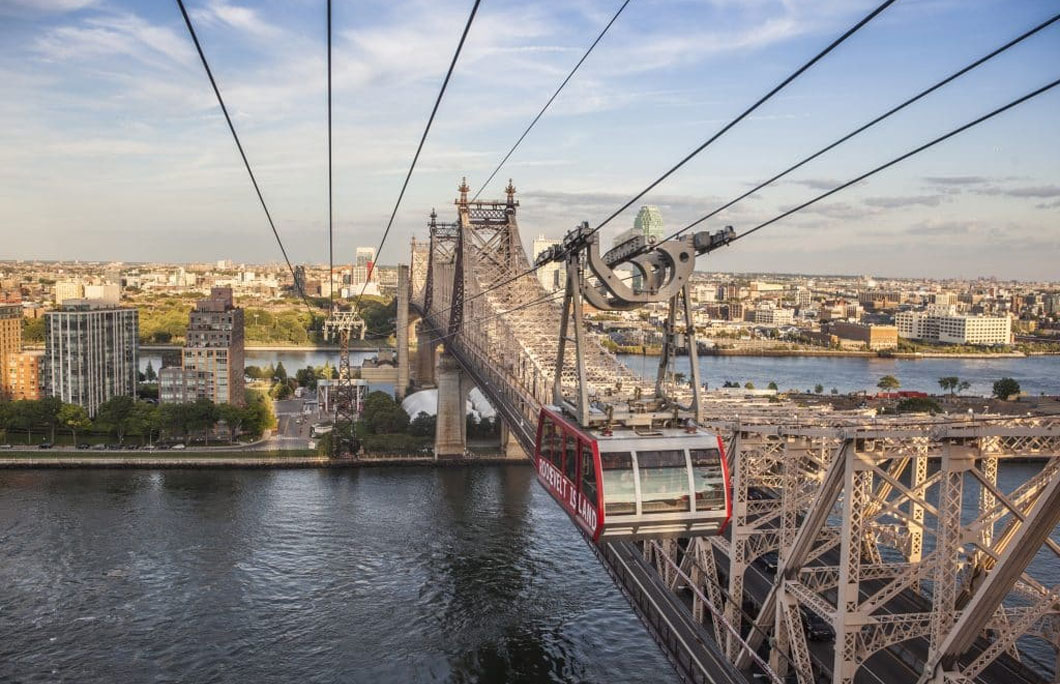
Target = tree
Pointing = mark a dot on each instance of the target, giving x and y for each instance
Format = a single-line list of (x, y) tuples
[(383, 415), (279, 373), (150, 373), (918, 405), (74, 418), (964, 386), (145, 420), (204, 416), (175, 418), (773, 385), (749, 385), (114, 414), (818, 388), (307, 377), (835, 390), (252, 372), (1005, 388), (423, 425), (949, 383), (888, 383), (47, 413), (234, 417), (280, 391)]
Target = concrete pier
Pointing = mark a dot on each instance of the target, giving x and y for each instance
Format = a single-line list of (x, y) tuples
[(450, 438)]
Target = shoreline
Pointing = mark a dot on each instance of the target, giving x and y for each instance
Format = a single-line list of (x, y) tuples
[(26, 460)]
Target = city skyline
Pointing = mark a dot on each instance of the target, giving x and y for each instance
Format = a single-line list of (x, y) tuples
[(136, 162)]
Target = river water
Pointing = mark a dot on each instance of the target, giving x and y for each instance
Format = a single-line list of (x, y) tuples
[(1036, 374), (373, 575), (376, 575)]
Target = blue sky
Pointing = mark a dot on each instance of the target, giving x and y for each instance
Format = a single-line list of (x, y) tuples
[(112, 146)]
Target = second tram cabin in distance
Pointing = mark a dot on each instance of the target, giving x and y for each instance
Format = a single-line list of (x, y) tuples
[(634, 484)]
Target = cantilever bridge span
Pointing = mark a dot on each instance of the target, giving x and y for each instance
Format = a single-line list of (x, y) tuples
[(862, 549)]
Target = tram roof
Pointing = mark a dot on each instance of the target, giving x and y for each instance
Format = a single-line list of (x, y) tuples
[(621, 433)]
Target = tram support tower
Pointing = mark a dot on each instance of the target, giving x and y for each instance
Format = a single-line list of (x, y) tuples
[(343, 325)]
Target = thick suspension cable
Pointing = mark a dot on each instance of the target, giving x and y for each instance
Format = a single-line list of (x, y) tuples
[(331, 224), (423, 139), (239, 146), (552, 99), (831, 46), (747, 112), (861, 129), (907, 155)]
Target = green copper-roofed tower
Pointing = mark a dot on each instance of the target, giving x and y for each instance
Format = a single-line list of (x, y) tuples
[(649, 223)]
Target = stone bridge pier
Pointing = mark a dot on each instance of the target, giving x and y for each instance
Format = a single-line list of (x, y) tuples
[(450, 436)]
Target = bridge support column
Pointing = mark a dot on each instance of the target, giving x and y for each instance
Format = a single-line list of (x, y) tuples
[(426, 348), (401, 386), (510, 446), (450, 436)]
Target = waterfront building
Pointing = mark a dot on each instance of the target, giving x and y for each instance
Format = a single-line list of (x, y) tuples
[(91, 352), (212, 357), (771, 315), (953, 328), (553, 274), (22, 375), (875, 337), (10, 338)]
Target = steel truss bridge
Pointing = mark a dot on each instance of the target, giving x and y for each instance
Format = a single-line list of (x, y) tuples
[(896, 533)]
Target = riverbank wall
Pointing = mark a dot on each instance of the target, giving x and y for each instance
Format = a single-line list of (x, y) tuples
[(32, 460)]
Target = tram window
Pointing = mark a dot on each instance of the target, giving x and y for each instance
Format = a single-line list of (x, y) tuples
[(620, 492), (588, 474), (547, 432), (708, 477), (663, 481), (570, 458)]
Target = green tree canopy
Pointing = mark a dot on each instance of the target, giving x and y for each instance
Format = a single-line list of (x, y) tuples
[(383, 415), (888, 383), (114, 415), (1005, 388)]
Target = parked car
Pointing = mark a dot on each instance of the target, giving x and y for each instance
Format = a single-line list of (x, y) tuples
[(83, 445), (150, 447), (45, 445), (99, 447), (114, 447), (179, 446), (6, 446)]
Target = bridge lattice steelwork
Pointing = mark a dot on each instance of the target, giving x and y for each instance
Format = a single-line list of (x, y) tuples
[(895, 533)]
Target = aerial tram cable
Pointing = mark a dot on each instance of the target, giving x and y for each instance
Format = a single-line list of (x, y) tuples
[(552, 99), (239, 145), (791, 77), (331, 224), (910, 153), (423, 139), (870, 124)]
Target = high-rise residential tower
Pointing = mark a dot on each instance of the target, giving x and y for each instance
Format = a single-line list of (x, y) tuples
[(648, 223), (91, 352), (212, 360)]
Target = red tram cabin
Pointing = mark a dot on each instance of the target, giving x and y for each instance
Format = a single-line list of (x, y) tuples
[(634, 484)]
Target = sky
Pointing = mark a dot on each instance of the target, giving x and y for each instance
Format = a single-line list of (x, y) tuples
[(112, 146)]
